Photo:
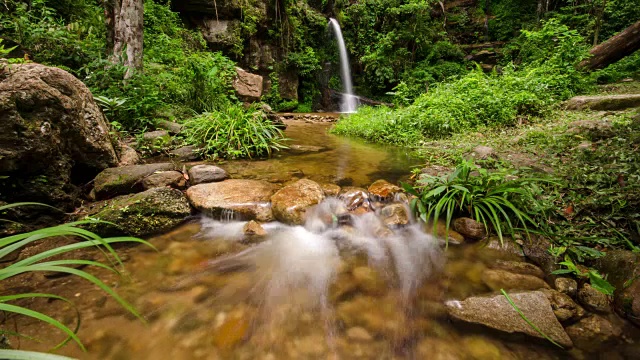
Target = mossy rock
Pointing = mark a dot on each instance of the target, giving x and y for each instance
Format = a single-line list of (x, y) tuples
[(126, 179), (150, 212)]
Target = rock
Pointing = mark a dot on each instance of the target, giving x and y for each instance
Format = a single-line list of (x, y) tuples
[(394, 215), (246, 198), (151, 212), (623, 271), (435, 170), (128, 156), (481, 152), (506, 248), (594, 333), (453, 237), (566, 286), (232, 330), (536, 249), (54, 137), (126, 179), (439, 349), (330, 189), (288, 84), (518, 267), (563, 306), (172, 178), (290, 203), (500, 279), (201, 174), (252, 228), (380, 316), (369, 280), (595, 129), (496, 312), (185, 153), (354, 197), (248, 86), (172, 127), (469, 228), (301, 149), (604, 102), (383, 190), (593, 299), (218, 32), (156, 138), (358, 334), (481, 348)]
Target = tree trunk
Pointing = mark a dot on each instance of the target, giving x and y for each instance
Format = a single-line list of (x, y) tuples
[(127, 34), (624, 43), (109, 20)]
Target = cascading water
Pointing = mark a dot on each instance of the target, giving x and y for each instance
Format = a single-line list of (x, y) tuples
[(349, 100)]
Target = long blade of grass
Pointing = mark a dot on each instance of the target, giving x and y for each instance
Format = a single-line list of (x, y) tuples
[(44, 318), (30, 355), (537, 329)]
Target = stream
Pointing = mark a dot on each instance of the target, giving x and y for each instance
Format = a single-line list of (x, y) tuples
[(319, 291)]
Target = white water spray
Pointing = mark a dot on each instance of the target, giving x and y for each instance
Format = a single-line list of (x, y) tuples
[(349, 100)]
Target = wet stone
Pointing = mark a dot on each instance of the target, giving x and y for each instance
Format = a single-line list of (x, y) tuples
[(330, 189), (594, 333), (395, 215), (359, 334), (231, 329), (369, 280), (185, 153), (354, 197), (593, 299), (290, 204), (500, 279), (567, 286), (563, 306), (252, 229), (506, 249), (503, 317), (518, 267), (383, 190)]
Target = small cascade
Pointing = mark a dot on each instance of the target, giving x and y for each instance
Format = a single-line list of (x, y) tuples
[(349, 100)]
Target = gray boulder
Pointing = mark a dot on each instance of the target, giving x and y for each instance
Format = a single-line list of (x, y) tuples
[(174, 179), (605, 102)]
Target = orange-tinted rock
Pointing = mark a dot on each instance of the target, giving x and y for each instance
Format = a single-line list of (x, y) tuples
[(290, 203)]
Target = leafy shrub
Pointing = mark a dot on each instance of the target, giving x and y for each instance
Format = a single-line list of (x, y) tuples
[(492, 198), (41, 262), (234, 133)]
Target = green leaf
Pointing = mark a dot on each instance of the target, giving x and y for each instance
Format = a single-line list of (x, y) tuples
[(600, 284)]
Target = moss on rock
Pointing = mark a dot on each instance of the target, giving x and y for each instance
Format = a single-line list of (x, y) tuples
[(150, 212)]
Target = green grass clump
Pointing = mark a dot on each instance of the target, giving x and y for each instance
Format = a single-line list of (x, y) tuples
[(234, 132)]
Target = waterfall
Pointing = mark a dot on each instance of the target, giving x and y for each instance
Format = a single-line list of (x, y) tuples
[(349, 100)]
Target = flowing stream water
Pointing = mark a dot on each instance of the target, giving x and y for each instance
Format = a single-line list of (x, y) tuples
[(349, 100), (342, 286)]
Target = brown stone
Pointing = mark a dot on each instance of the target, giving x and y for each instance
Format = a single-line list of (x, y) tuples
[(126, 179), (290, 203), (252, 228), (174, 179), (518, 267), (500, 279), (469, 228), (394, 215), (383, 190), (330, 189), (593, 299), (248, 86), (566, 286), (594, 333), (563, 306), (246, 198)]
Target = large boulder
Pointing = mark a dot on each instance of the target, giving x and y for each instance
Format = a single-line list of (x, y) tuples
[(248, 199), (54, 137), (126, 179), (290, 203), (497, 313), (248, 86), (151, 212), (594, 333)]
